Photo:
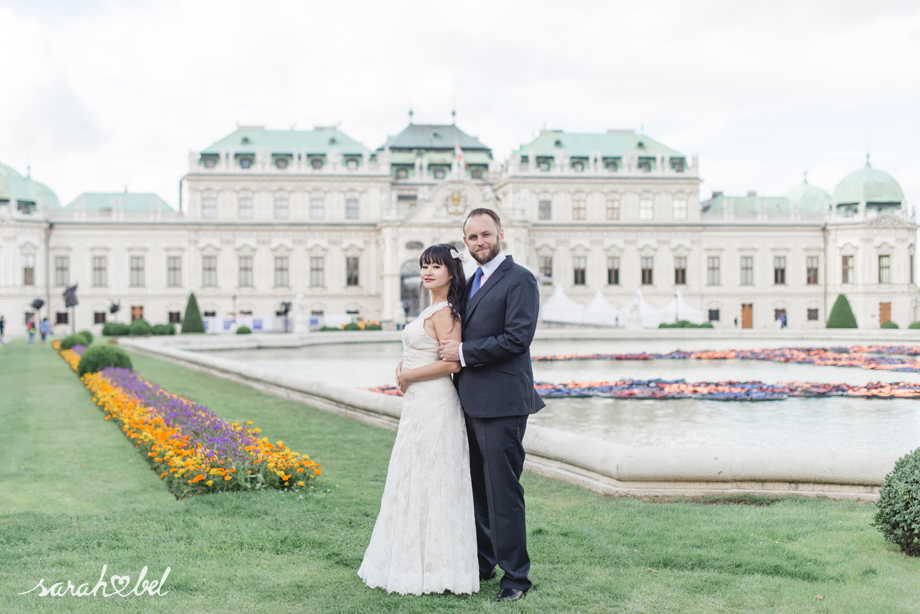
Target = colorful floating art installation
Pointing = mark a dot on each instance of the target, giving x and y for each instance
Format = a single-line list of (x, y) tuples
[(191, 448)]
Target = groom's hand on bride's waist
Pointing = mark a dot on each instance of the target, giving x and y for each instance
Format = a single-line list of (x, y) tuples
[(449, 350)]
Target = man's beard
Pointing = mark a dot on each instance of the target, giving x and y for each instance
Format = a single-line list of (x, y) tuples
[(492, 253)]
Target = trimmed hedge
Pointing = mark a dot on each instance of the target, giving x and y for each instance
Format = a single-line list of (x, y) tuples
[(329, 329), (351, 326), (72, 340), (914, 325), (841, 314), (897, 513), (192, 322), (99, 357), (140, 328), (373, 327), (243, 330), (113, 329), (890, 324), (163, 329), (684, 324), (87, 334)]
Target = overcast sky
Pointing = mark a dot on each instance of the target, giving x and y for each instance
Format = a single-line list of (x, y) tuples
[(96, 96)]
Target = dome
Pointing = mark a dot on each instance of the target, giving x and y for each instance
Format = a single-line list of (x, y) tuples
[(868, 185), (810, 199), (15, 187), (45, 199)]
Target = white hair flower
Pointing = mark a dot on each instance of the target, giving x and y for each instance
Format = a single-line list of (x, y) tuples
[(456, 255)]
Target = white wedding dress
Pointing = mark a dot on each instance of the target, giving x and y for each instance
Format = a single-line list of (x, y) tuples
[(425, 537)]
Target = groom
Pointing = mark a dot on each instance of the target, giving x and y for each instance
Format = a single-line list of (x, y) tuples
[(496, 390)]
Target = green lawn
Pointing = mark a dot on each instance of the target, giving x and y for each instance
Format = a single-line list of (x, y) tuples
[(75, 495)]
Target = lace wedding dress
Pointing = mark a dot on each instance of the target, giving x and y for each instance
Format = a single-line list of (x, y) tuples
[(425, 537)]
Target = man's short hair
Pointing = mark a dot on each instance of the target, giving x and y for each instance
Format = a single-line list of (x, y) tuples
[(483, 211)]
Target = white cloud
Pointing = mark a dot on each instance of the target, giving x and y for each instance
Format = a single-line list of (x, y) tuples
[(118, 94)]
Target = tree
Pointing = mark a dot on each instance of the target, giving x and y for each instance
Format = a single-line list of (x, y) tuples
[(192, 322), (841, 314)]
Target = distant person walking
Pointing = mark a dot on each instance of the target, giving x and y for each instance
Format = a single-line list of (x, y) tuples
[(2, 328), (44, 328), (30, 328)]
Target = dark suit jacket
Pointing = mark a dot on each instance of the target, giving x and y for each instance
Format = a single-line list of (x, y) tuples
[(498, 327)]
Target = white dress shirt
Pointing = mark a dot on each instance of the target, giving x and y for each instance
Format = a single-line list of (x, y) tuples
[(487, 269)]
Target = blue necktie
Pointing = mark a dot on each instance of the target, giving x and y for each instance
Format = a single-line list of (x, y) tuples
[(477, 279)]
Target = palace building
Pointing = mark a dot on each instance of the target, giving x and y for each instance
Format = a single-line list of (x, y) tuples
[(316, 219)]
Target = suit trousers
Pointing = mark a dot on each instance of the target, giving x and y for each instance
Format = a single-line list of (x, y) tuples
[(496, 462)]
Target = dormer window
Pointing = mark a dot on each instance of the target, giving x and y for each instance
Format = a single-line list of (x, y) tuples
[(401, 173), (645, 164), (439, 173), (611, 166), (209, 163), (352, 164), (476, 173), (245, 140), (281, 163), (332, 140), (677, 164), (544, 166), (435, 135), (525, 159), (558, 143), (316, 163), (245, 162), (578, 167), (640, 145)]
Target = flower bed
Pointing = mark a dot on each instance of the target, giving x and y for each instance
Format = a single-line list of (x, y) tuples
[(192, 449)]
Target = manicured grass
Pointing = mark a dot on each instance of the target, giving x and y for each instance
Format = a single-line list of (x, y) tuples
[(75, 495)]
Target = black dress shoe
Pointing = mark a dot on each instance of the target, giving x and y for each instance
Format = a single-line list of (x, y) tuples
[(509, 594), (486, 577)]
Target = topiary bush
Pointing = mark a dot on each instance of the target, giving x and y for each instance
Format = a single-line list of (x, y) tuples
[(373, 327), (244, 330), (99, 357), (192, 322), (87, 334), (684, 324), (897, 511), (72, 340), (140, 328), (841, 314), (890, 324), (114, 329), (328, 328), (914, 325), (352, 326), (163, 329)]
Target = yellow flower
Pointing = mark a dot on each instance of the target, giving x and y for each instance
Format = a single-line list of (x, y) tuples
[(300, 483), (210, 482)]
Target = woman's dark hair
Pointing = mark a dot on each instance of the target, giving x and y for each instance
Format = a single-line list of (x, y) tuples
[(456, 294)]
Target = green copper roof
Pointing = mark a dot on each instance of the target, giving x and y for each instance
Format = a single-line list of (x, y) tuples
[(868, 185), (810, 199), (611, 144), (15, 187), (318, 141), (118, 201), (433, 136)]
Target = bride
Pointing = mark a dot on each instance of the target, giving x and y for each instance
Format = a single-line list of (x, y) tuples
[(425, 537)]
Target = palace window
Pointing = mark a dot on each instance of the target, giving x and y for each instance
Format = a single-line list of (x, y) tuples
[(28, 269), (61, 271), (439, 173), (281, 163), (846, 270), (613, 209), (544, 167), (62, 317), (245, 209), (245, 162), (317, 208), (884, 269), (779, 270), (476, 173), (747, 271), (98, 317), (317, 272), (546, 210), (137, 272), (282, 272), (174, 271), (579, 265), (648, 264), (316, 163), (679, 207), (209, 271), (811, 270), (680, 270), (613, 270), (713, 315), (579, 210), (175, 317), (578, 166), (100, 272), (352, 164), (546, 268), (246, 273), (646, 210), (351, 271), (713, 271), (402, 173), (812, 314), (209, 314), (351, 208), (209, 208), (281, 208)]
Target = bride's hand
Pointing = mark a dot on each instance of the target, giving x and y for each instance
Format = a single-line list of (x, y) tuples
[(398, 371), (403, 380)]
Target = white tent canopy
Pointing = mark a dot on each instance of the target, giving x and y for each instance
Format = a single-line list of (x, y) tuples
[(679, 309), (560, 308), (600, 312)]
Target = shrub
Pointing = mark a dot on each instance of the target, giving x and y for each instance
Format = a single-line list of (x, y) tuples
[(243, 330), (192, 322), (113, 329), (841, 314), (890, 324), (87, 334), (72, 340), (139, 328), (373, 327), (328, 328), (163, 329), (897, 513), (705, 325), (351, 326), (914, 325), (99, 357), (684, 324)]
